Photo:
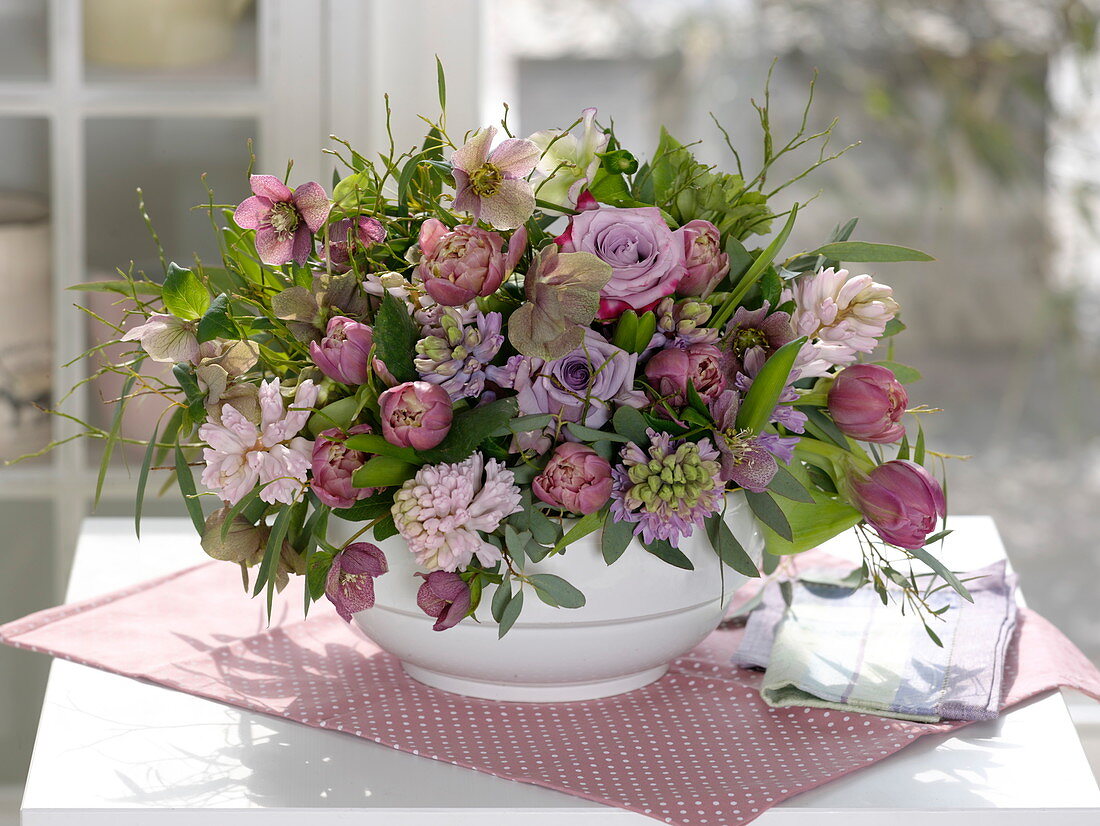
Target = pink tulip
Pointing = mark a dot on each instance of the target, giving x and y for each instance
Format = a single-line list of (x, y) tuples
[(902, 501), (867, 403), (669, 371), (576, 479), (703, 257), (344, 353), (350, 582), (459, 265), (333, 466), (445, 596), (415, 414)]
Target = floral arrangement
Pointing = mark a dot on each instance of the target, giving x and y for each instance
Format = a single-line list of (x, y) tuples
[(494, 345)]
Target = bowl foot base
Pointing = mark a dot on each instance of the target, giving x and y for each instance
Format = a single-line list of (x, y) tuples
[(535, 692)]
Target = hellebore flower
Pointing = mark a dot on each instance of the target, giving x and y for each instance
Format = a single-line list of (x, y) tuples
[(340, 247), (576, 479), (647, 260), (166, 338), (444, 596), (746, 460), (350, 582), (284, 219), (846, 314), (442, 511), (492, 185), (901, 500), (344, 353), (670, 370), (563, 297), (750, 338), (704, 260), (668, 490), (867, 403), (457, 265), (415, 414), (458, 356), (579, 387), (334, 464), (242, 453), (569, 164)]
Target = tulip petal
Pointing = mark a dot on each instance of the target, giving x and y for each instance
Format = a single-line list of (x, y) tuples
[(270, 187)]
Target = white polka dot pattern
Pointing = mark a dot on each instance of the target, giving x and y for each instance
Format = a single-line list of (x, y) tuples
[(697, 747)]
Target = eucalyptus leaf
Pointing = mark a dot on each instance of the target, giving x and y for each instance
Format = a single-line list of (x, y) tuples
[(729, 550), (630, 423), (510, 614), (786, 484), (769, 512), (560, 592), (864, 252), (616, 538), (663, 550)]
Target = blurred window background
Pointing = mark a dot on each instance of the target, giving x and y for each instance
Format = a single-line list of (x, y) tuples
[(978, 123)]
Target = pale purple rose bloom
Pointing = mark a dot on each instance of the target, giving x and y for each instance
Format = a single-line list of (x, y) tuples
[(457, 265), (670, 370), (492, 185), (340, 248), (344, 353), (580, 387), (350, 582), (333, 466), (284, 219), (902, 501), (576, 479), (444, 596), (704, 260), (867, 403), (415, 414), (646, 258)]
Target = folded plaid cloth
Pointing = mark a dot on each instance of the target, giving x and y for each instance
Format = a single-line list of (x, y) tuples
[(839, 647)]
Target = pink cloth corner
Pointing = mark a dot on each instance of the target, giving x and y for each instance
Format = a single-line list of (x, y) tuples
[(697, 748)]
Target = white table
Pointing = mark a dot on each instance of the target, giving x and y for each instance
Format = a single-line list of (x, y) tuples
[(115, 752)]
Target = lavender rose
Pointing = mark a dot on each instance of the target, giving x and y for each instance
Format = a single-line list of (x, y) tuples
[(646, 258), (704, 260), (344, 353), (901, 500), (580, 387), (444, 596), (576, 479), (415, 414), (459, 265), (669, 371), (333, 465), (867, 402)]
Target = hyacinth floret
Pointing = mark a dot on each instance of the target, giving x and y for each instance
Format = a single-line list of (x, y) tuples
[(682, 323), (457, 357), (668, 490)]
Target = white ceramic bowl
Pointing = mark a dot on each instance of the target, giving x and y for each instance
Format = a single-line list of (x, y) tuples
[(640, 614)]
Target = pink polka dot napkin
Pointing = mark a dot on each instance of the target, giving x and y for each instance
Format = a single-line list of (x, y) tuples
[(699, 747)]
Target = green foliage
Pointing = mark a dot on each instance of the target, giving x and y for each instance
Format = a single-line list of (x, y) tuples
[(395, 337), (184, 295), (766, 388)]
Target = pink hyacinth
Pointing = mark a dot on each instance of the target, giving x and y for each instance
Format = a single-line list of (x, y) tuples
[(284, 219), (242, 454), (440, 511)]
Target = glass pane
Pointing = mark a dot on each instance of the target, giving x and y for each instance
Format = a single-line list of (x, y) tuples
[(24, 52), (170, 42), (26, 318), (165, 157)]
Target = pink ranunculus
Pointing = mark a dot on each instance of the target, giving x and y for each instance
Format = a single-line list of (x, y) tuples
[(867, 402), (415, 414), (459, 265), (901, 500), (350, 582), (704, 260), (576, 479), (445, 596), (646, 258), (344, 353), (669, 371), (333, 466), (344, 241), (284, 219)]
